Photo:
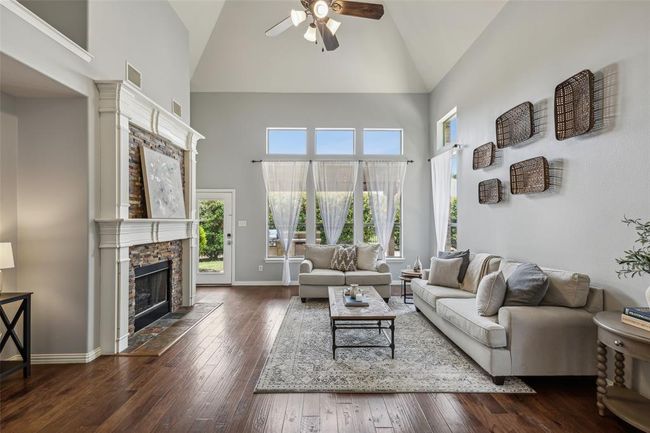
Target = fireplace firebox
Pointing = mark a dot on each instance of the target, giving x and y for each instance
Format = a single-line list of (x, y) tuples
[(152, 293)]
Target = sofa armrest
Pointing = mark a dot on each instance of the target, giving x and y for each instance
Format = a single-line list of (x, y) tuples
[(549, 340), (306, 266), (382, 267)]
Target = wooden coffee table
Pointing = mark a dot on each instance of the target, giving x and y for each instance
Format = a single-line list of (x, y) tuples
[(370, 317)]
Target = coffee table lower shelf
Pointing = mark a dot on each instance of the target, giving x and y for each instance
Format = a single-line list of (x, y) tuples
[(365, 324)]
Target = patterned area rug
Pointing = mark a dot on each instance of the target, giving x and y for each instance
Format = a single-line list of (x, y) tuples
[(425, 360), (155, 338)]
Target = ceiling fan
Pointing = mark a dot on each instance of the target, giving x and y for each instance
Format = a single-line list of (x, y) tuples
[(317, 11)]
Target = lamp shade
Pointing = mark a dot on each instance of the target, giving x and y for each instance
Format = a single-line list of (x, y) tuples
[(6, 256), (310, 34), (298, 17)]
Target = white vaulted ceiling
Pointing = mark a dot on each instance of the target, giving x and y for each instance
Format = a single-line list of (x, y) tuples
[(409, 50)]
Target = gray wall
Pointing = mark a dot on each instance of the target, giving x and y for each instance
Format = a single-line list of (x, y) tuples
[(527, 50), (235, 126), (605, 175), (70, 17), (150, 36), (8, 180), (52, 230)]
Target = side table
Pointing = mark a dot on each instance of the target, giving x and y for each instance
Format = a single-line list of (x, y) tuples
[(24, 346), (625, 340), (406, 276)]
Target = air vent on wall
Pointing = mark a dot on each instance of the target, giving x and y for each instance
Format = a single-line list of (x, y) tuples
[(133, 76), (177, 108)]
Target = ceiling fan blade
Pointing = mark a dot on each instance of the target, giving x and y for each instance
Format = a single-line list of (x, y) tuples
[(329, 40), (358, 9), (280, 27)]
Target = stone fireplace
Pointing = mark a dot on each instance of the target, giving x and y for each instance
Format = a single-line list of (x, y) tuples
[(147, 266)]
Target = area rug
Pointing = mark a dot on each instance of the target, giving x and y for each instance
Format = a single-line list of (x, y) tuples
[(155, 338), (425, 360)]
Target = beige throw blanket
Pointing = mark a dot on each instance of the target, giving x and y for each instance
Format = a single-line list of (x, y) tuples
[(476, 270)]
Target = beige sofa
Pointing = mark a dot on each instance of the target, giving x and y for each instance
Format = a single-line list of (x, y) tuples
[(316, 276), (556, 338)]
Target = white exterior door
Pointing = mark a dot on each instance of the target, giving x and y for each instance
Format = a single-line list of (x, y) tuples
[(216, 236)]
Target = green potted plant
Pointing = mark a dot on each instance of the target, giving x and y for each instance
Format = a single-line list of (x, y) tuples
[(636, 261)]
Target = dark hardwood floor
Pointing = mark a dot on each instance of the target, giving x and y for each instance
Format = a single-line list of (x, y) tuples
[(205, 384)]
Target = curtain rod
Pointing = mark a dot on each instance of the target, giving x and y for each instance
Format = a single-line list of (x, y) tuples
[(455, 146), (409, 161)]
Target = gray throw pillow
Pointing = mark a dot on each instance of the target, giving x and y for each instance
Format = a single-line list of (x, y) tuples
[(490, 294), (454, 255), (527, 285), (367, 256), (444, 272), (320, 255), (344, 258)]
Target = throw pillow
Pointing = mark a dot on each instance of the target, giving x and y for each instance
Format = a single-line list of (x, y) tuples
[(444, 272), (457, 254), (367, 256), (320, 255), (527, 285), (344, 258), (490, 294)]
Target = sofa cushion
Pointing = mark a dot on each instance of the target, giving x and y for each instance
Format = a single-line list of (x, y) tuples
[(455, 255), (480, 265), (320, 255), (430, 294), (368, 278), (323, 277), (344, 258), (490, 294), (566, 289), (444, 272), (462, 314), (367, 256), (527, 286)]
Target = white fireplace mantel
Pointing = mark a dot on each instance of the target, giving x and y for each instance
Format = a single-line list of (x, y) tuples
[(122, 104)]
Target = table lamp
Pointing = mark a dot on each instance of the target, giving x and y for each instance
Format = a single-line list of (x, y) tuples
[(6, 259)]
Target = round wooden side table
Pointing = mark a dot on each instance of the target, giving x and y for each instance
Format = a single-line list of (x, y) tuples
[(405, 278), (625, 340)]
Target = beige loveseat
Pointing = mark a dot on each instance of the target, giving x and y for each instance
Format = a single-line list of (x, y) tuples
[(556, 338), (316, 276)]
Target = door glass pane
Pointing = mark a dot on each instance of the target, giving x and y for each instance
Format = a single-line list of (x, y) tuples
[(211, 228)]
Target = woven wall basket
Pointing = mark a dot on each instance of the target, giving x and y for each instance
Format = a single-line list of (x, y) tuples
[(489, 191), (574, 105), (529, 176), (483, 156), (515, 125)]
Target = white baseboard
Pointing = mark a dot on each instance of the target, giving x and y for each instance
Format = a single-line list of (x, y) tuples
[(62, 358), (262, 283)]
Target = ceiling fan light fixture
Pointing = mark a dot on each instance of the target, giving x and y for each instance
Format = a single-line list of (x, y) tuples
[(333, 25), (320, 9), (298, 17), (310, 34)]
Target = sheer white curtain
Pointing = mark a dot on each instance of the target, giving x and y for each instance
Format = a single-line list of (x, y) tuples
[(334, 182), (285, 184), (441, 187), (384, 181)]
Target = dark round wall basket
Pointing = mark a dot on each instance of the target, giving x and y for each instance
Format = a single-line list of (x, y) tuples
[(515, 125), (574, 105)]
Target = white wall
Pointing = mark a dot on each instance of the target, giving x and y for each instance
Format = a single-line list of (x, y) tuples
[(235, 126), (70, 17), (150, 36), (527, 50)]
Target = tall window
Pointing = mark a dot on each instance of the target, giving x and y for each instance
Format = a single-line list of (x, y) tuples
[(448, 130), (286, 141), (382, 142), (335, 141), (369, 234), (452, 236), (297, 247)]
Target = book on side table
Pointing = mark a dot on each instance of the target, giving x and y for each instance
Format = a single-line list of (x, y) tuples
[(636, 316)]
